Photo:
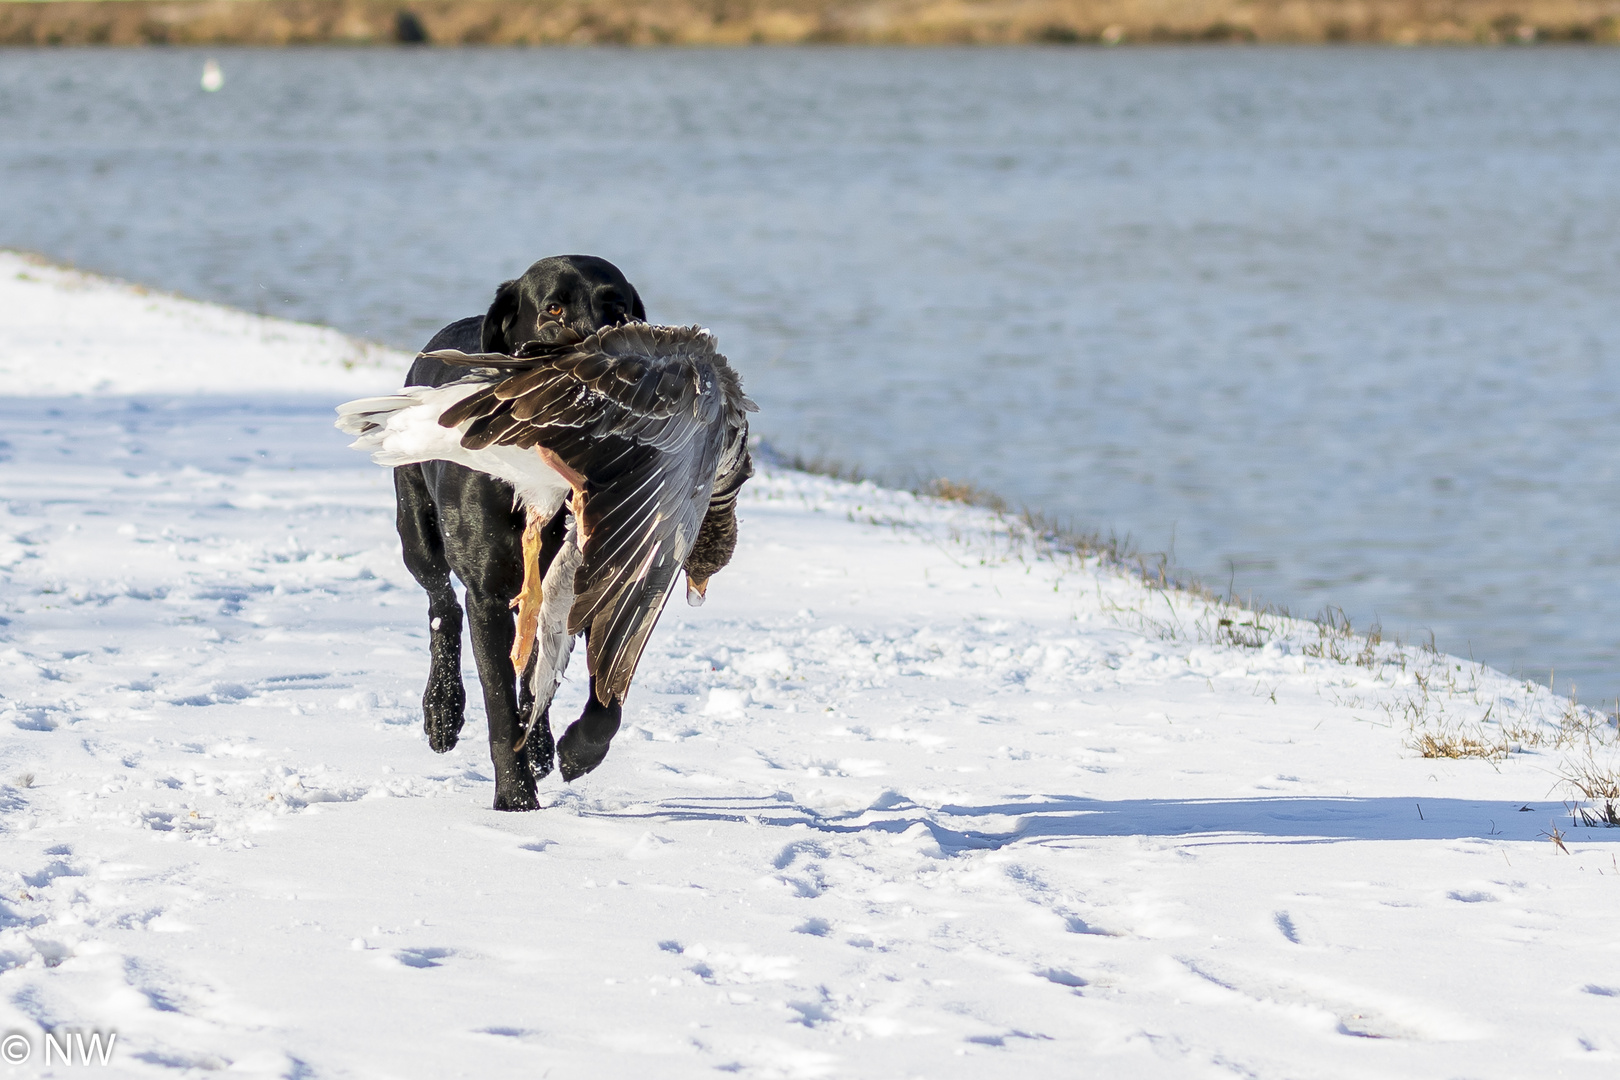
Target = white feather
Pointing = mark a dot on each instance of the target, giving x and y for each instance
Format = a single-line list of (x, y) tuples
[(404, 428)]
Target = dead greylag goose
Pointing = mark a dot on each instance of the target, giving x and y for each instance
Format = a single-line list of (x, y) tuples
[(641, 430)]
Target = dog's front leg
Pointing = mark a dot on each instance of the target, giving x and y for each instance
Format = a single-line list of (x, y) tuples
[(483, 538), (444, 701)]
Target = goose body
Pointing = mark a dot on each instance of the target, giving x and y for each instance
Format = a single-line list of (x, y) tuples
[(641, 430)]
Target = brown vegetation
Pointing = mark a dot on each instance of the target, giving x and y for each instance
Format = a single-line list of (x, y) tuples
[(743, 22)]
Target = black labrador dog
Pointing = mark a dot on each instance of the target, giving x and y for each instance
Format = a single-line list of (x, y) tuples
[(452, 519)]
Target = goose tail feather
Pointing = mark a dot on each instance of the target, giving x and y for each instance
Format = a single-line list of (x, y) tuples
[(403, 428)]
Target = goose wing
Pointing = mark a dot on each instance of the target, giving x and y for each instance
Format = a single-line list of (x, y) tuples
[(642, 416)]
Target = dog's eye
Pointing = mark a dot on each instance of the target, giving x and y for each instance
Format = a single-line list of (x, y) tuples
[(554, 310)]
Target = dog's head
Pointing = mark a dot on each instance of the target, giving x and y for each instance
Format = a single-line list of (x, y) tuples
[(580, 292)]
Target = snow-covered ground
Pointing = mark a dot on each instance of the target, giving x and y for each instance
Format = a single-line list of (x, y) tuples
[(909, 797)]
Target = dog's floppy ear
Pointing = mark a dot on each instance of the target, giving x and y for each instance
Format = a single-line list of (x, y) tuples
[(637, 312), (498, 319)]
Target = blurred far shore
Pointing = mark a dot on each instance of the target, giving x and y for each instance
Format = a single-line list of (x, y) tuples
[(805, 22)]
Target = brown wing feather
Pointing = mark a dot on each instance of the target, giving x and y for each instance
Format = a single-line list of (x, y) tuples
[(643, 413), (469, 408)]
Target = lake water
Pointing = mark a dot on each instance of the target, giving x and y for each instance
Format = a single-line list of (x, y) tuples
[(1342, 324)]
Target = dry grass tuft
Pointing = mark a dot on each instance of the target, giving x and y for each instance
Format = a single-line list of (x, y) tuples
[(963, 492), (1456, 744), (1598, 783)]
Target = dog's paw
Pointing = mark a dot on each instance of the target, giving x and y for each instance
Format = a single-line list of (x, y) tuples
[(444, 707), (514, 783), (578, 755), (516, 798)]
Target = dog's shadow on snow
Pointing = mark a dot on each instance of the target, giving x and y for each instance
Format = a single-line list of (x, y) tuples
[(1054, 818)]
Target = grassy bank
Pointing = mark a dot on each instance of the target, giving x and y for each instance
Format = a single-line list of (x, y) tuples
[(743, 22)]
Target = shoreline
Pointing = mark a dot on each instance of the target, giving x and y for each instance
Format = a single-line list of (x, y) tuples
[(328, 362), (360, 360), (805, 22), (1249, 620)]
